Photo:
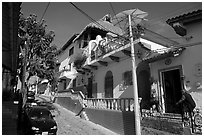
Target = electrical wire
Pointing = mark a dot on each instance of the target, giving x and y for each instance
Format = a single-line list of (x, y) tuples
[(45, 11), (114, 13), (173, 46), (94, 21)]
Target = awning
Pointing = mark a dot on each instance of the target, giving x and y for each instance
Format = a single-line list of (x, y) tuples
[(156, 56), (64, 64)]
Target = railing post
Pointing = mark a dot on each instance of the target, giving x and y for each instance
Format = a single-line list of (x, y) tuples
[(120, 105), (124, 101), (128, 104)]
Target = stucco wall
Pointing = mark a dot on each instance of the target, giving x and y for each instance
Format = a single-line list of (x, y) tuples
[(123, 123), (194, 30), (117, 70), (189, 59)]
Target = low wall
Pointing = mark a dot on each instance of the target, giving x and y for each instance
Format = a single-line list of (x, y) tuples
[(124, 122), (121, 123), (163, 124), (70, 104)]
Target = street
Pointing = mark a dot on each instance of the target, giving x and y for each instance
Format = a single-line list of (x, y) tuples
[(69, 124)]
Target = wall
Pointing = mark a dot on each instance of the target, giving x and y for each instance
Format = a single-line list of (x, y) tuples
[(124, 123), (188, 59), (117, 121), (117, 70), (193, 30)]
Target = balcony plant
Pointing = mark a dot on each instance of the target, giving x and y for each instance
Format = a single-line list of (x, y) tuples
[(79, 60)]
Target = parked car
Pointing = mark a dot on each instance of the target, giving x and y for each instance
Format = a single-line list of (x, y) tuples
[(39, 120)]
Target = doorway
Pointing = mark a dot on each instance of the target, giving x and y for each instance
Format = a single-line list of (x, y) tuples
[(144, 88), (109, 85), (171, 83)]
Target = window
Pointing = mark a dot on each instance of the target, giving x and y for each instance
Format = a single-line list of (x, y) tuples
[(74, 83), (127, 77), (71, 51)]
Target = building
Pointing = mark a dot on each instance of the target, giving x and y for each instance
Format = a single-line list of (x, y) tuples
[(10, 46), (66, 71), (104, 67), (169, 69), (108, 67)]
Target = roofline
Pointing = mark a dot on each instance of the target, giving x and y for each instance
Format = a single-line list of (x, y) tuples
[(186, 18), (87, 28), (67, 44)]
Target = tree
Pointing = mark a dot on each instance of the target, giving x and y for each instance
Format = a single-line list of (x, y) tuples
[(37, 55)]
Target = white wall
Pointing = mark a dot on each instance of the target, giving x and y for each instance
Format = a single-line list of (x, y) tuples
[(117, 70), (189, 60)]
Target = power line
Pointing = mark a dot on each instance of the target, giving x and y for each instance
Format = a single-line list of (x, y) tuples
[(45, 10), (114, 13), (94, 21)]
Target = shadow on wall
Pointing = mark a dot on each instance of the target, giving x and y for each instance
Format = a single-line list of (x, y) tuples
[(117, 121), (123, 123), (128, 123)]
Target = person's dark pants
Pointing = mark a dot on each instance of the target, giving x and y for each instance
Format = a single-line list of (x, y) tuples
[(187, 111)]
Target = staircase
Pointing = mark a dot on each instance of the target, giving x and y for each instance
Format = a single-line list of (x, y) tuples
[(9, 118), (83, 115)]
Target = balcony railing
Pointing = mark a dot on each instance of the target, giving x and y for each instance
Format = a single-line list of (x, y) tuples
[(107, 45), (121, 104)]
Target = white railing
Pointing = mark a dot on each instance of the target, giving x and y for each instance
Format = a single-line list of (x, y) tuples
[(122, 104)]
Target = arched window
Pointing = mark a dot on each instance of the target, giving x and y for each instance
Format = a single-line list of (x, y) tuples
[(109, 85)]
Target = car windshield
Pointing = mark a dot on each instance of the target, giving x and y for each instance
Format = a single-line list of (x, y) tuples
[(39, 114)]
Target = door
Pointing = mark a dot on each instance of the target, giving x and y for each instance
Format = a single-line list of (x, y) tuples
[(171, 81), (109, 85), (144, 88)]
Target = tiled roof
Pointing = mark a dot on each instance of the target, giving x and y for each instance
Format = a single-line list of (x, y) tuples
[(104, 26), (156, 56), (185, 16)]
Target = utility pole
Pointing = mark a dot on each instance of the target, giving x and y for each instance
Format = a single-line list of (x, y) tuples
[(136, 101)]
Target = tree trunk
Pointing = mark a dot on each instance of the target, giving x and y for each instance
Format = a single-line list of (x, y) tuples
[(23, 87)]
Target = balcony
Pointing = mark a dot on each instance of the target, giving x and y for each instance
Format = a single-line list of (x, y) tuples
[(106, 51)]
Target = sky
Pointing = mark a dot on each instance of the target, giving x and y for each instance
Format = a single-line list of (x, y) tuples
[(66, 20)]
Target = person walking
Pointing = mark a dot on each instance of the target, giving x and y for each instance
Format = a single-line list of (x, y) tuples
[(188, 104)]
